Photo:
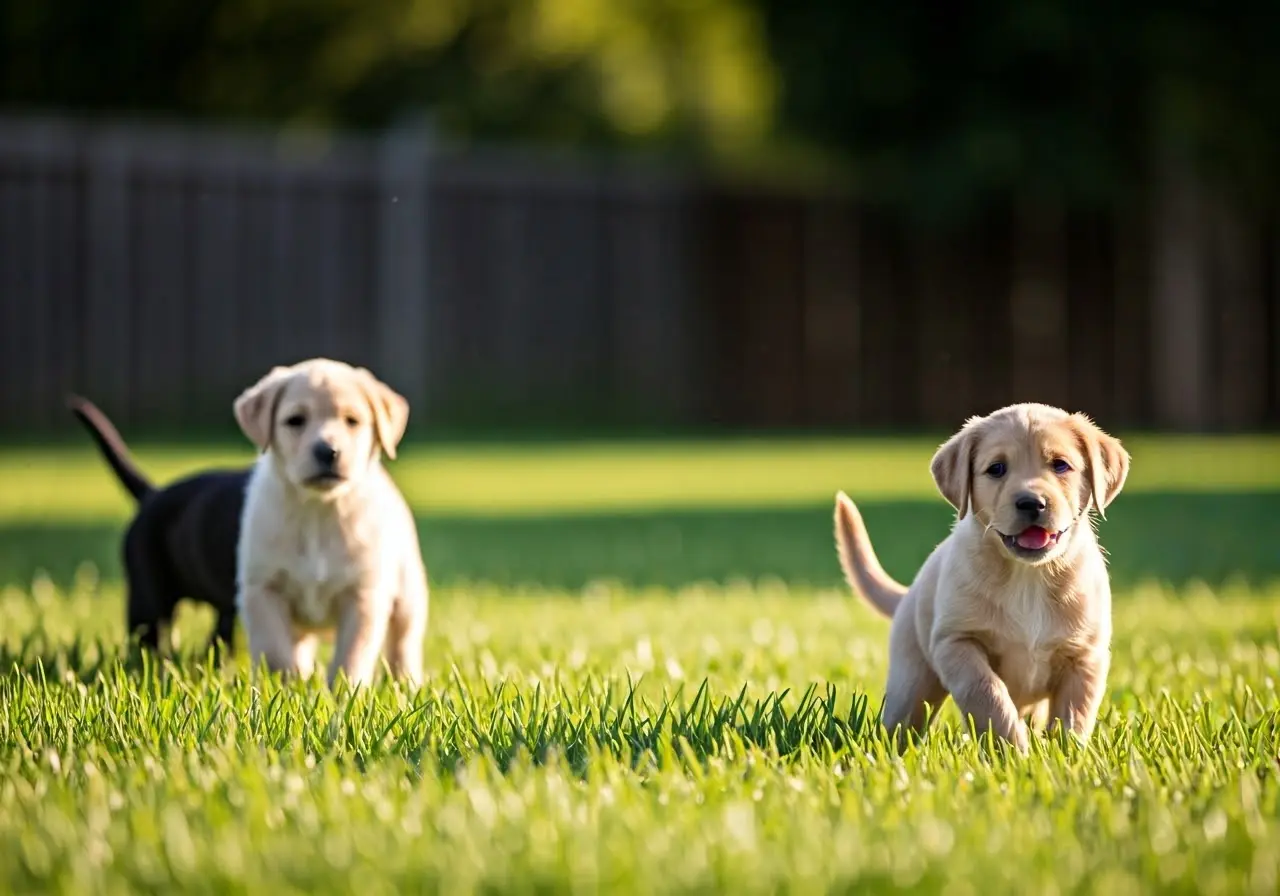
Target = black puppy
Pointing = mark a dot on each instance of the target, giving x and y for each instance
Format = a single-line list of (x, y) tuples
[(181, 542)]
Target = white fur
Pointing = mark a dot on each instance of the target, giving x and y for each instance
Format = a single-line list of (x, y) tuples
[(345, 560)]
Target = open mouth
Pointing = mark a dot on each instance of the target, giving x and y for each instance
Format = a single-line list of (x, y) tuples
[(1031, 541)]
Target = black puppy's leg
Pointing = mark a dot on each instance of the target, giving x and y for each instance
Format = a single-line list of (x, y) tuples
[(223, 642), (150, 599)]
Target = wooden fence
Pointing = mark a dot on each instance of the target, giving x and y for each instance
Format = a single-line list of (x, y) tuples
[(161, 270)]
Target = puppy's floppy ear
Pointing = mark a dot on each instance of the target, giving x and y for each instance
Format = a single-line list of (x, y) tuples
[(1108, 461), (255, 409), (390, 411), (952, 466)]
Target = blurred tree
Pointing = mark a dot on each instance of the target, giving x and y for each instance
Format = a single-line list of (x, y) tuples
[(947, 106), (938, 107), (593, 71)]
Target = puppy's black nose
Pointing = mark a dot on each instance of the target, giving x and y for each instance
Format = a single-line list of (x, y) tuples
[(1030, 504), (324, 453)]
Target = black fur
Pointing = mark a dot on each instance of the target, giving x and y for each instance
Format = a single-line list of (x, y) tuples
[(181, 542)]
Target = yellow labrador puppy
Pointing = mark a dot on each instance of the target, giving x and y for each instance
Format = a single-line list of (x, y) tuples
[(1011, 613), (327, 542)]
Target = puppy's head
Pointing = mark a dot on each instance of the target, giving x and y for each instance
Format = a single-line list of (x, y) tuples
[(1030, 473), (324, 422)]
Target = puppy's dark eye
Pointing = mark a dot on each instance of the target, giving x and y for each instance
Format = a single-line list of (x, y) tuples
[(295, 421), (352, 422), (997, 469), (1060, 466)]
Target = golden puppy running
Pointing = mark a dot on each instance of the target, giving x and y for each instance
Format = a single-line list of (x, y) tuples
[(327, 541), (1011, 613)]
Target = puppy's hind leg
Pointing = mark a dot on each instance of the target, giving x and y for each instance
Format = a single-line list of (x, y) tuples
[(222, 641), (912, 684), (1078, 696), (151, 594)]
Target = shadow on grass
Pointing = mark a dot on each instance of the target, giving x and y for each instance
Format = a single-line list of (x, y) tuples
[(1174, 538)]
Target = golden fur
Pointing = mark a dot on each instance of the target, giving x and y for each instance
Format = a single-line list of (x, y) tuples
[(328, 543), (1004, 630)]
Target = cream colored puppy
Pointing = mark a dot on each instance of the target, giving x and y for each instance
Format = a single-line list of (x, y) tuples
[(327, 542), (1011, 613)]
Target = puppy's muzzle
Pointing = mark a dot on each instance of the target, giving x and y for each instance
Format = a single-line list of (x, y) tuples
[(326, 457)]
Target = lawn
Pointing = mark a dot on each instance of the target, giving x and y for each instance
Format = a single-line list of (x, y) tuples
[(645, 676)]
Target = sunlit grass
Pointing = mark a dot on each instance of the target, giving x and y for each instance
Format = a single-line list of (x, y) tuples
[(629, 742), (709, 726)]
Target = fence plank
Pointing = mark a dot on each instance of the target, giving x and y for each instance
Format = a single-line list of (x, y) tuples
[(160, 270), (109, 324), (1038, 304), (832, 305), (771, 257), (571, 336), (1131, 346), (942, 328), (445, 336), (160, 296), (1272, 255), (288, 333), (990, 333), (507, 237), (1180, 367), (359, 235), (1090, 329), (890, 373), (1241, 328), (14, 254), (646, 286), (254, 301), (37, 335), (400, 309), (215, 327)]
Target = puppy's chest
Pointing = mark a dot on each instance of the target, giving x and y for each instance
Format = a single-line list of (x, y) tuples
[(314, 568), (1029, 635)]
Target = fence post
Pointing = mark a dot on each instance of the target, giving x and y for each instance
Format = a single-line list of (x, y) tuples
[(401, 314), (1237, 268), (1178, 314), (1038, 302), (1272, 249), (108, 325)]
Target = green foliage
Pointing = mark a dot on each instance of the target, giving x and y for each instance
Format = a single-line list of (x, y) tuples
[(947, 108), (940, 110), (568, 71)]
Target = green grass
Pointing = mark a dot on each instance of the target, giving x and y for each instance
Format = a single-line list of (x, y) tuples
[(644, 677), (71, 484)]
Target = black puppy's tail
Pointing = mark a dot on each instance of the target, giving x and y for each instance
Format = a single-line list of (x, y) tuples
[(112, 446)]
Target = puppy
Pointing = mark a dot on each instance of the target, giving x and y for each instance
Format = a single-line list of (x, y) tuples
[(1011, 613), (181, 542), (327, 543)]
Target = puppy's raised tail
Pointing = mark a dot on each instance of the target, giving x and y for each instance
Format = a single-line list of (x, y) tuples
[(112, 446), (862, 570)]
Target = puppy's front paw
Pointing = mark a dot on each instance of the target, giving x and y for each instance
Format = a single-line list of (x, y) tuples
[(1020, 740)]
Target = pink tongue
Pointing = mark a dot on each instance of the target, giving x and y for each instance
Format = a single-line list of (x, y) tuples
[(1033, 539)]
